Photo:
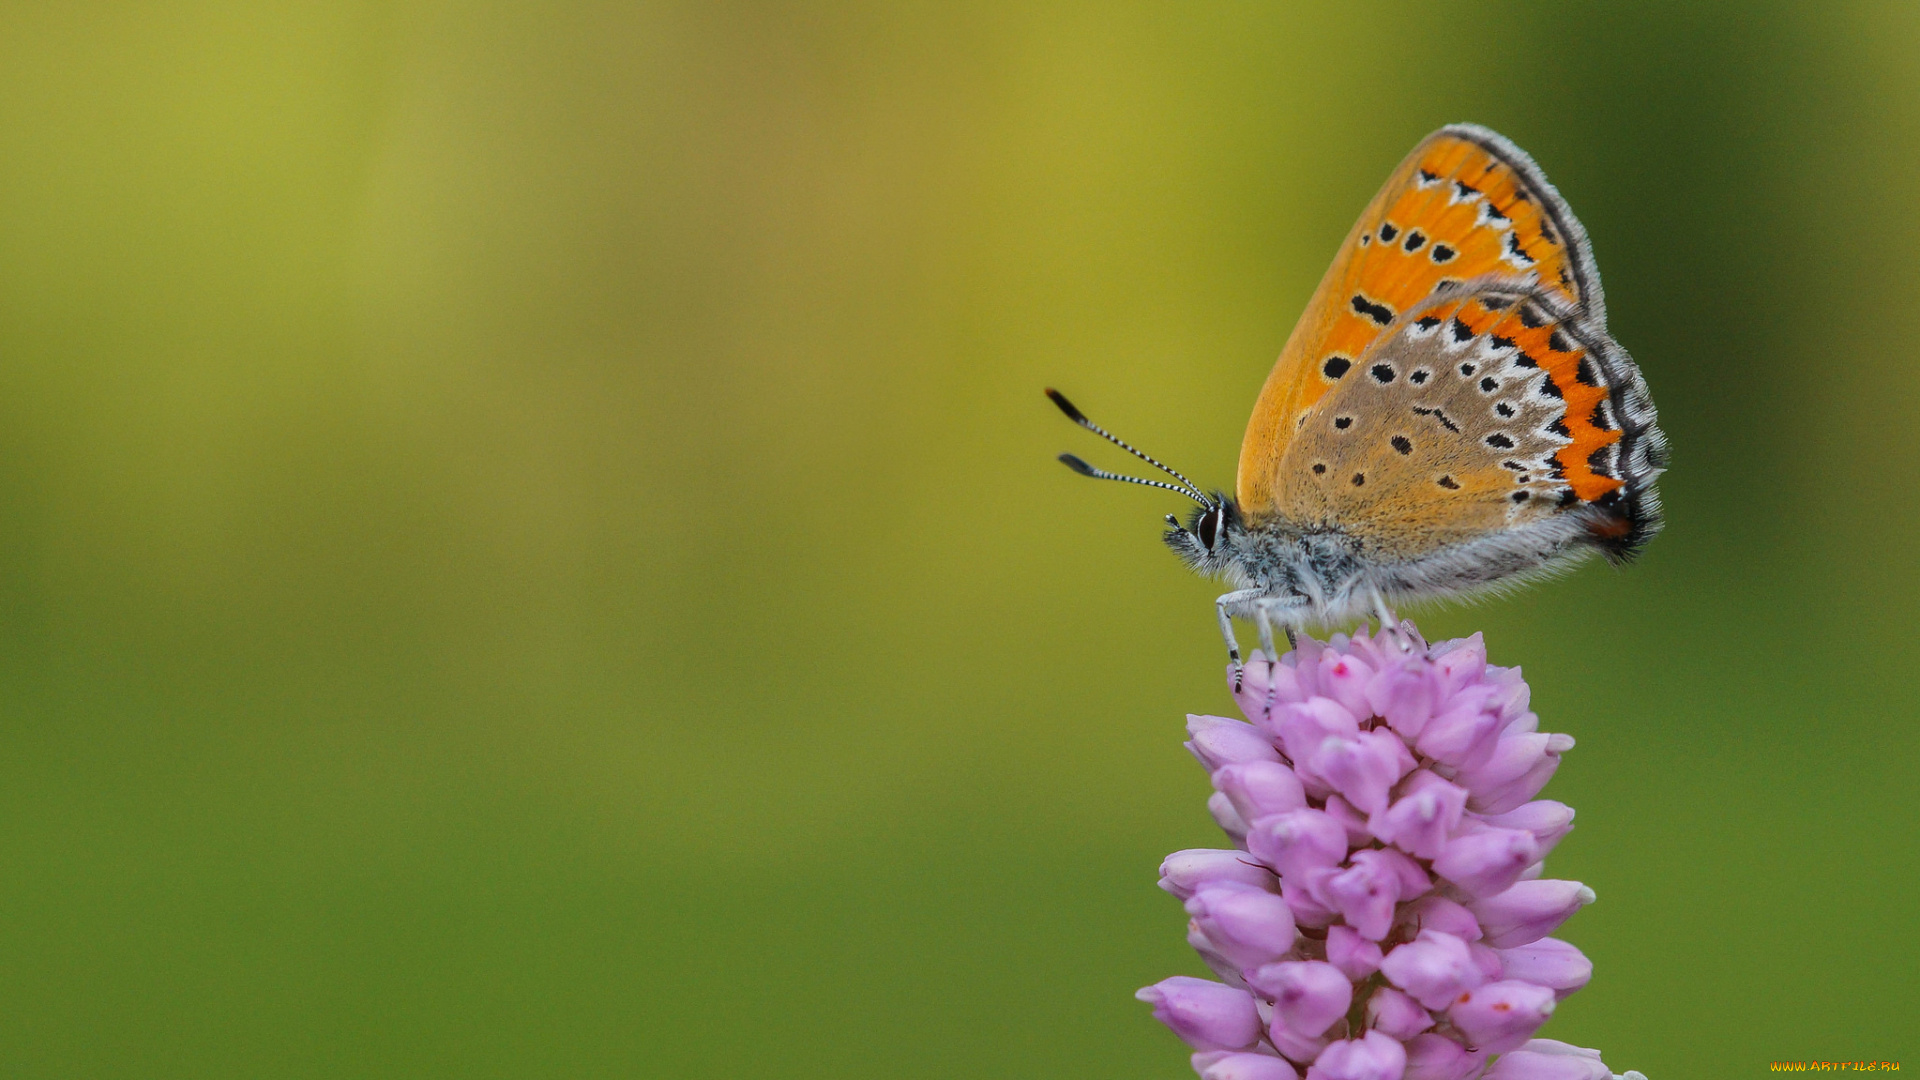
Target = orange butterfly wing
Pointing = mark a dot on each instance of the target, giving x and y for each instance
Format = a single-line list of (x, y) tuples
[(1465, 204)]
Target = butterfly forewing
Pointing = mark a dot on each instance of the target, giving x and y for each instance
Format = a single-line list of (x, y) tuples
[(1465, 205)]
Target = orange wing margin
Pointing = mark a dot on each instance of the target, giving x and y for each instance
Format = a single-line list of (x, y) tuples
[(1465, 204)]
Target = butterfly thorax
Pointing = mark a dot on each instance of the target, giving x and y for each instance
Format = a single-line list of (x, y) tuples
[(1319, 570)]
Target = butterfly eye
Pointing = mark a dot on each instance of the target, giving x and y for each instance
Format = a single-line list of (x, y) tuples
[(1209, 527)]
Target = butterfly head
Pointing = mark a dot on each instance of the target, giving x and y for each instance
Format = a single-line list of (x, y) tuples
[(1208, 541)]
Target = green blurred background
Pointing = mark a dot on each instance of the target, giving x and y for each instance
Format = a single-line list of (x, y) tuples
[(529, 543)]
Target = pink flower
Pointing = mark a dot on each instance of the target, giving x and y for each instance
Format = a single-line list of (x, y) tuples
[(1382, 915), (1207, 1015)]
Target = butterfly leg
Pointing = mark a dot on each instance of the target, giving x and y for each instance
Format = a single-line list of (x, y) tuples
[(1389, 623), (1220, 606), (1264, 610)]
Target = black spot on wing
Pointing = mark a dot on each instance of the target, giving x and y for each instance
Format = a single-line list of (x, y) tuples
[(1336, 366), (1464, 191), (1382, 373), (1558, 342), (1519, 254), (1359, 478), (1559, 427), (1587, 373), (1504, 410), (1489, 384), (1496, 303), (1531, 318), (1442, 254), (1388, 230), (1461, 331), (1522, 360), (1499, 441), (1519, 496), (1402, 444), (1501, 342), (1419, 377), (1319, 467), (1449, 483), (1343, 422), (1379, 313), (1437, 415), (1415, 240), (1427, 322), (1427, 178)]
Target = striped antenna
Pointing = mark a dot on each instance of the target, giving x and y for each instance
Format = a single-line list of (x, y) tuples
[(1085, 469), (1190, 489)]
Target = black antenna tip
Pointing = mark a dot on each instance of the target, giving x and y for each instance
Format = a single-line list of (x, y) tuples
[(1066, 406), (1079, 466)]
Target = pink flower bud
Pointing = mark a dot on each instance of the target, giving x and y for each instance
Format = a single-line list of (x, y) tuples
[(1218, 741), (1308, 995), (1294, 1046), (1549, 1059), (1460, 662), (1344, 679), (1297, 840), (1549, 962), (1424, 816), (1227, 970), (1405, 696), (1302, 894), (1227, 817), (1487, 959), (1436, 1057), (1512, 756), (1396, 1013), (1434, 968), (1412, 881), (1304, 726), (1464, 734), (1207, 1015), (1376, 1056), (1439, 913), (1363, 894), (1362, 768), (1355, 956), (1228, 1065), (1184, 872), (1499, 799), (1259, 788), (1547, 820), (1265, 687), (1246, 925), (1487, 862), (1354, 820), (1501, 1015), (1528, 911)]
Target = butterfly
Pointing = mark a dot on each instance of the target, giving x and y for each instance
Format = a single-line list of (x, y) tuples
[(1448, 417)]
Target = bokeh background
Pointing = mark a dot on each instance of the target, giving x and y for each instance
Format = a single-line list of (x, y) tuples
[(529, 544)]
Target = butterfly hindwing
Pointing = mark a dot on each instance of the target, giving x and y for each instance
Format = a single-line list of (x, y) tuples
[(1484, 409), (1466, 204)]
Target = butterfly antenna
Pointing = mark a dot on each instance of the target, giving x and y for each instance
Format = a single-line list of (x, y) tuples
[(1190, 489), (1085, 469)]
